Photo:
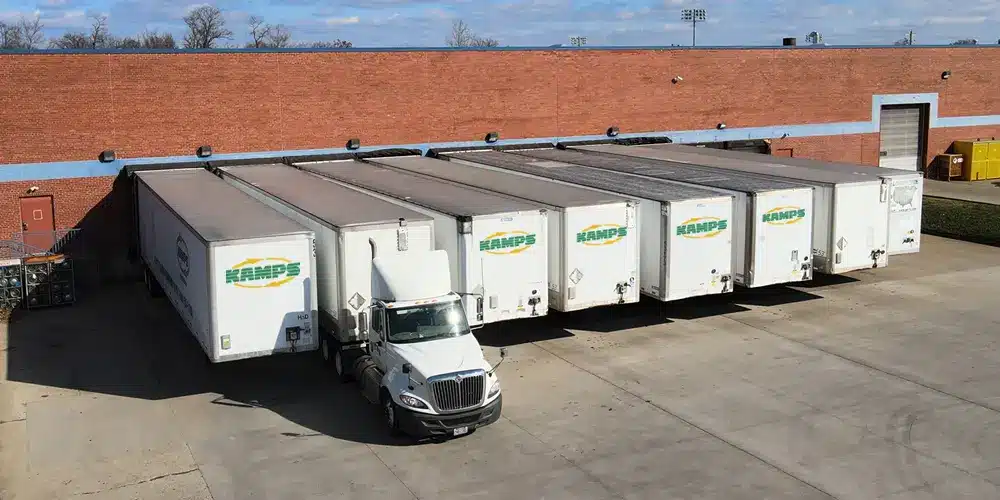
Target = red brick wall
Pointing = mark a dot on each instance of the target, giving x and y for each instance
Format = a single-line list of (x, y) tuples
[(856, 148), (73, 199), (68, 107)]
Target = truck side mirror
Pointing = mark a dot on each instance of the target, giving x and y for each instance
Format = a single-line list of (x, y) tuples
[(407, 368), (503, 352)]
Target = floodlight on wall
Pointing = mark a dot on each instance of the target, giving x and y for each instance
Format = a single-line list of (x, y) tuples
[(353, 143), (612, 131), (492, 137), (946, 75), (677, 79), (203, 151), (106, 156), (720, 126)]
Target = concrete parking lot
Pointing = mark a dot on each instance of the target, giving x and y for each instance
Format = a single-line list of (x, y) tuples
[(879, 385)]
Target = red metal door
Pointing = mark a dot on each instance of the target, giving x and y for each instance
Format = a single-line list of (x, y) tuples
[(38, 223)]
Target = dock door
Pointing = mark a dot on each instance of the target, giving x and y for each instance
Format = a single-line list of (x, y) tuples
[(902, 137)]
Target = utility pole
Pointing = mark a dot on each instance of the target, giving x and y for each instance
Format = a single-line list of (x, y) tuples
[(695, 16)]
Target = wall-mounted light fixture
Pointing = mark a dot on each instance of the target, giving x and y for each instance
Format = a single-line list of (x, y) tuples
[(720, 126), (354, 143), (612, 131), (203, 151), (106, 156), (32, 189), (677, 79), (492, 137), (946, 75)]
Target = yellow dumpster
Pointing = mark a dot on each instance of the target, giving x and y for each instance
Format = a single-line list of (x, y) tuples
[(993, 168), (976, 164)]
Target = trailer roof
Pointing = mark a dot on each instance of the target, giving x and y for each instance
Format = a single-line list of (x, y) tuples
[(830, 166), (215, 210), (666, 170), (335, 204), (528, 188), (706, 157), (436, 195), (631, 185)]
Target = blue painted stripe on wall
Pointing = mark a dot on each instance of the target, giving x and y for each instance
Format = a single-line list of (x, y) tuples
[(70, 169)]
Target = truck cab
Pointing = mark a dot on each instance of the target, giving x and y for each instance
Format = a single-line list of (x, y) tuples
[(424, 367)]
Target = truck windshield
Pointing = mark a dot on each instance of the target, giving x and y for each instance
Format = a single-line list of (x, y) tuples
[(430, 322)]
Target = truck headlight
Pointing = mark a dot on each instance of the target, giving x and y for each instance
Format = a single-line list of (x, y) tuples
[(411, 401), (494, 390)]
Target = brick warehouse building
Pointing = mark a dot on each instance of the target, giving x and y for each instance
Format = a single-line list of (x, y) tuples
[(59, 109)]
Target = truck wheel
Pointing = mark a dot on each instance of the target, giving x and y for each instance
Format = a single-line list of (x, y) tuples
[(333, 356), (391, 411)]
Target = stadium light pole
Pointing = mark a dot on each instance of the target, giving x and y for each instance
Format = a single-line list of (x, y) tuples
[(694, 16)]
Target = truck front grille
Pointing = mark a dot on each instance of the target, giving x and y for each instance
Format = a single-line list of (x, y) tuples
[(458, 391)]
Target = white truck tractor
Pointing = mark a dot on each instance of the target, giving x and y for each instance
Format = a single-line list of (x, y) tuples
[(421, 362)]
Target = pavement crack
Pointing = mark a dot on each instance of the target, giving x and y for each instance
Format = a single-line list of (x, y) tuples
[(149, 480), (12, 421), (372, 450)]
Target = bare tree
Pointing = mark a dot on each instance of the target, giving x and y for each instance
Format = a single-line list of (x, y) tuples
[(265, 35), (259, 31), (99, 36), (71, 40), (10, 36), (206, 26), (463, 36), (127, 43), (336, 44), (154, 40), (966, 41), (31, 32), (279, 37)]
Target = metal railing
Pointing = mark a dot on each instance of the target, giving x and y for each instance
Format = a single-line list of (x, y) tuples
[(45, 242)]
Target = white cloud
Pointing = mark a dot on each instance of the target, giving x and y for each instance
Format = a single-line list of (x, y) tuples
[(955, 20), (67, 19), (626, 15), (338, 21), (676, 27)]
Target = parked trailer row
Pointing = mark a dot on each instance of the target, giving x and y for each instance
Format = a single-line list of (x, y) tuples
[(243, 275), (906, 189), (497, 245), (593, 237), (686, 235), (850, 216), (772, 219)]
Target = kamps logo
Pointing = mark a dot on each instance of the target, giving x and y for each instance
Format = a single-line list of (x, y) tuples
[(702, 227), (601, 234), (782, 216), (507, 242), (272, 272)]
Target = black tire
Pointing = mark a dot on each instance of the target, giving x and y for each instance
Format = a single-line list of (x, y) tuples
[(333, 357), (390, 412)]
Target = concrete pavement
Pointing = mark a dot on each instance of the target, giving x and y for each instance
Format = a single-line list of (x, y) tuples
[(881, 385)]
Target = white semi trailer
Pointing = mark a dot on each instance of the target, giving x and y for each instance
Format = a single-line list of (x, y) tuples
[(686, 235), (241, 276), (774, 233), (593, 236), (906, 190), (497, 246), (851, 217), (388, 316)]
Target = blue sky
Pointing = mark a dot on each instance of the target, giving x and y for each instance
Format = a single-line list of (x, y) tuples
[(401, 23)]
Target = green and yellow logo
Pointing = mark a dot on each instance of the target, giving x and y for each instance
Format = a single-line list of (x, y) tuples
[(782, 216), (274, 272), (601, 234), (507, 242), (702, 227)]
